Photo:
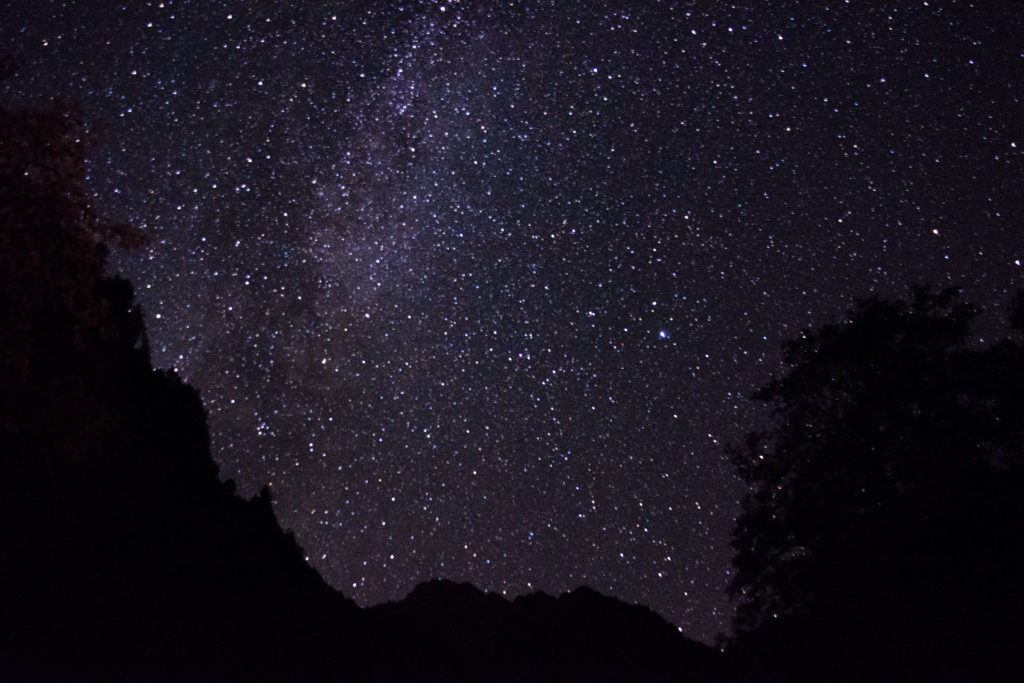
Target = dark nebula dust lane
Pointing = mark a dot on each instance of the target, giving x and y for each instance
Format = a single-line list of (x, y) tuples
[(480, 290)]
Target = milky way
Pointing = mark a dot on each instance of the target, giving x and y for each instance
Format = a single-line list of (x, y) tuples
[(480, 290)]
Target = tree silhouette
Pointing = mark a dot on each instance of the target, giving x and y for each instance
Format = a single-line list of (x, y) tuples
[(55, 318), (887, 493)]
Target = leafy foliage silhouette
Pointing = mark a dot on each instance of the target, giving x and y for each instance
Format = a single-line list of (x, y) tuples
[(886, 497)]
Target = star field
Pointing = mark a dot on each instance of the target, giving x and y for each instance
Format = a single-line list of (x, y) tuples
[(479, 289)]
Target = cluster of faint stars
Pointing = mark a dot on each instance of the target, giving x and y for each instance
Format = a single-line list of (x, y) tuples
[(480, 290)]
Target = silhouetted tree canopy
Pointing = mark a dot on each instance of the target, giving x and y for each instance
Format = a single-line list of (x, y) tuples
[(887, 491), (58, 311)]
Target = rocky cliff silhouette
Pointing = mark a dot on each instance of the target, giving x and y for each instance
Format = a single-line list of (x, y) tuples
[(124, 557)]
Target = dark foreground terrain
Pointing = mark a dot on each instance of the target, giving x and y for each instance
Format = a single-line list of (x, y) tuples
[(123, 556)]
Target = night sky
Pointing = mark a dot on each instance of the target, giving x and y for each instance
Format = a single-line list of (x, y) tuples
[(480, 289)]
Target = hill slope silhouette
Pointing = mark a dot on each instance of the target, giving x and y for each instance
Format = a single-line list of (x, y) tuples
[(124, 557), (581, 635), (118, 539)]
